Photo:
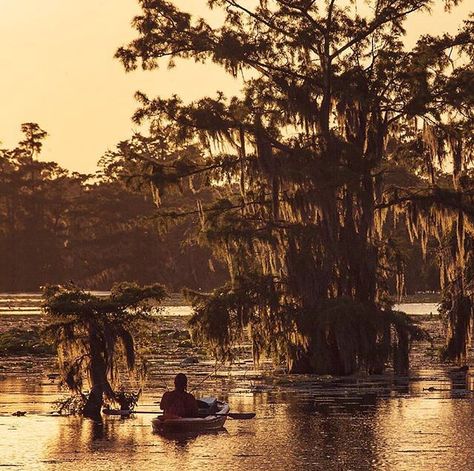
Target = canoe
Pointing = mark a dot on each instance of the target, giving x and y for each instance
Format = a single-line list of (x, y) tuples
[(212, 417)]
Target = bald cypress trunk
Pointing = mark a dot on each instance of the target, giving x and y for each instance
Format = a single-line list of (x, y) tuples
[(97, 376)]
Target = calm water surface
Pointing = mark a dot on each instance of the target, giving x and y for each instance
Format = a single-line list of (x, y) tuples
[(419, 431), (360, 423)]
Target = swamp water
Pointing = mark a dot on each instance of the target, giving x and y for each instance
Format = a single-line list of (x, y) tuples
[(303, 423)]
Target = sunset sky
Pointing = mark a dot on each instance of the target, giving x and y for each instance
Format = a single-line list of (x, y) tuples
[(58, 69)]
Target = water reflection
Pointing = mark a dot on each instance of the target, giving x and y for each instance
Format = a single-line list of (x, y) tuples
[(419, 434), (184, 439), (290, 432), (27, 393), (302, 423), (416, 309)]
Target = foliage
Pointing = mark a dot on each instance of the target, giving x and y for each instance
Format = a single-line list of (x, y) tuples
[(338, 127), (337, 336), (127, 400), (71, 405), (56, 226), (30, 211), (95, 335)]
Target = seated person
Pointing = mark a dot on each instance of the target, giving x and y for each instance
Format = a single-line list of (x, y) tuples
[(179, 403)]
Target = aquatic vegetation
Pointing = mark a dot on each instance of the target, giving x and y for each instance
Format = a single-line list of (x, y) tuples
[(25, 342), (96, 336)]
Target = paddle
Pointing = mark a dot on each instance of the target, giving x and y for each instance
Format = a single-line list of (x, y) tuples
[(239, 415), (232, 415)]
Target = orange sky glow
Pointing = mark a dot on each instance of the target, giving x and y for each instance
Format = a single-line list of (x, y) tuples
[(58, 69)]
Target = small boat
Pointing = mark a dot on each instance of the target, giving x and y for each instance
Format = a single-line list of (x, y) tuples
[(212, 416)]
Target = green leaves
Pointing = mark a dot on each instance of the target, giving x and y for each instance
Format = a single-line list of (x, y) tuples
[(70, 300)]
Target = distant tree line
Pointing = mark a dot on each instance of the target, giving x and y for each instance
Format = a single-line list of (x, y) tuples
[(57, 226)]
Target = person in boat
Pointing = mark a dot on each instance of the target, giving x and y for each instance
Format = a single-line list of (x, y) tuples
[(179, 403)]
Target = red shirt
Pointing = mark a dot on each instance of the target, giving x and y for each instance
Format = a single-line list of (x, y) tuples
[(179, 403)]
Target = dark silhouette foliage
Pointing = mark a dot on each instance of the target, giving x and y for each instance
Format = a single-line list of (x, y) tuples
[(339, 129), (57, 226), (95, 335)]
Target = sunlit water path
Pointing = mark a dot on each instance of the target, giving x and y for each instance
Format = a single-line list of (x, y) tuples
[(359, 423), (30, 304)]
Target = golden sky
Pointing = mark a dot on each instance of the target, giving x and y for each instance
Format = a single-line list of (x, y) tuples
[(58, 69)]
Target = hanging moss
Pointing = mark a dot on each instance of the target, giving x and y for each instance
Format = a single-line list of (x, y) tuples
[(95, 336), (337, 336), (306, 162)]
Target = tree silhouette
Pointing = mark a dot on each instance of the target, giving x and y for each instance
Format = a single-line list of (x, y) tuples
[(94, 333), (57, 225), (338, 127)]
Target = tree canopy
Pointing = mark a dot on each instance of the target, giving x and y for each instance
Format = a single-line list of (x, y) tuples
[(339, 130), (57, 225), (96, 335)]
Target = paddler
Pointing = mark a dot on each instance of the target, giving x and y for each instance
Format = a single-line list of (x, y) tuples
[(179, 403)]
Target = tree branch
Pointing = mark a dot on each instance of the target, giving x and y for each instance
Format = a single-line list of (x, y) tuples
[(376, 23)]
